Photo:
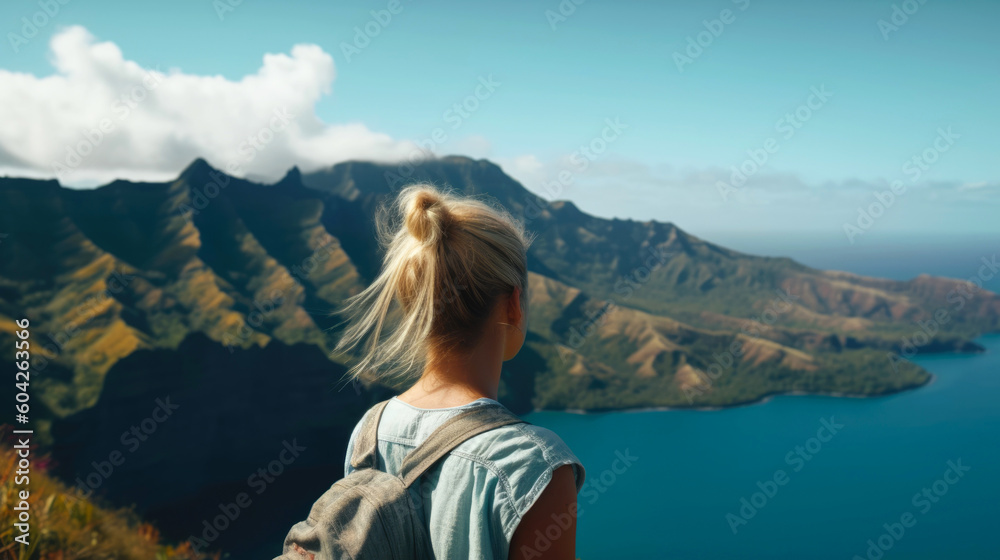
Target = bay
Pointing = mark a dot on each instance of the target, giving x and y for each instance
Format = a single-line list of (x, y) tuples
[(691, 468)]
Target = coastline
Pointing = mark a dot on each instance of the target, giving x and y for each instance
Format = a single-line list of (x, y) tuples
[(932, 378), (755, 402)]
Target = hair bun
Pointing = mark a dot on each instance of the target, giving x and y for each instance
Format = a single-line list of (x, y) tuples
[(425, 216), (449, 258)]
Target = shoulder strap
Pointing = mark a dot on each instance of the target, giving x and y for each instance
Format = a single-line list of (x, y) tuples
[(450, 435), (366, 444)]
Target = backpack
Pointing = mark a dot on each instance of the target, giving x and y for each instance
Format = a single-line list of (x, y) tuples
[(369, 514)]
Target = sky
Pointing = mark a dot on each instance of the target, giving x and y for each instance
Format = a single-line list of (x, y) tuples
[(843, 118)]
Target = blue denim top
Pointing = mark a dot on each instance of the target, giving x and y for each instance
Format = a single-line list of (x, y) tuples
[(472, 501)]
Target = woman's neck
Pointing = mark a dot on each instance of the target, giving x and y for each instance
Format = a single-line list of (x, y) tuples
[(452, 379)]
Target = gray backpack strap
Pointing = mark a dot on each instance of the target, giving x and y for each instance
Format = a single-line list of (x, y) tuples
[(450, 435), (366, 445)]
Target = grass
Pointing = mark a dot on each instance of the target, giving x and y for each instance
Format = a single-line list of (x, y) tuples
[(67, 526)]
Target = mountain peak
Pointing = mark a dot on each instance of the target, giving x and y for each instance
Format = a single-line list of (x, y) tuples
[(652, 302), (197, 167), (292, 178)]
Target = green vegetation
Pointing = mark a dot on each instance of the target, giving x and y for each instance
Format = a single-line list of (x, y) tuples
[(623, 313), (859, 373), (68, 526)]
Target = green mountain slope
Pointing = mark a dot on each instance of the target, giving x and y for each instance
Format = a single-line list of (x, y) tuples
[(623, 313)]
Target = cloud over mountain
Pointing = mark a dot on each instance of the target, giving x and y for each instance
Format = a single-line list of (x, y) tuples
[(100, 116)]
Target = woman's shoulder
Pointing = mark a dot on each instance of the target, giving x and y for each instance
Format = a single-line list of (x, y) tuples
[(532, 445), (518, 454), (524, 456), (523, 440)]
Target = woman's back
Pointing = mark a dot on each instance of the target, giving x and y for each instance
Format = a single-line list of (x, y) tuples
[(473, 500), (449, 306)]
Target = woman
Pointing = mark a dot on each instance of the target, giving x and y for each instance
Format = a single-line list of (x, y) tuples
[(454, 284)]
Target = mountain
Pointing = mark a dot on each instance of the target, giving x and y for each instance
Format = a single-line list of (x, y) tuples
[(215, 298), (204, 422), (622, 313)]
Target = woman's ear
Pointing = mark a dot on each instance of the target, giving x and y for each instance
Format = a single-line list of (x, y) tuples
[(514, 309), (515, 333)]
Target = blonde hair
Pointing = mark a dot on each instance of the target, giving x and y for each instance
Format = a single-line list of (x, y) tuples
[(448, 258)]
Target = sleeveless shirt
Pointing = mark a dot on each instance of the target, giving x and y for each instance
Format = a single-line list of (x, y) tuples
[(472, 501)]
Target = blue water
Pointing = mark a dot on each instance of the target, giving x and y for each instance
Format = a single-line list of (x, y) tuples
[(692, 468)]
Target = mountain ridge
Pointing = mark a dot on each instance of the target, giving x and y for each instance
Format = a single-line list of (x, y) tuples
[(246, 264)]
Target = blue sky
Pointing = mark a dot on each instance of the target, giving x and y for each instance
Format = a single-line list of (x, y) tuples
[(558, 83)]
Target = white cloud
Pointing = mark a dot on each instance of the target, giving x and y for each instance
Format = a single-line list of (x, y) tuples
[(618, 186), (157, 122), (475, 146), (527, 169)]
